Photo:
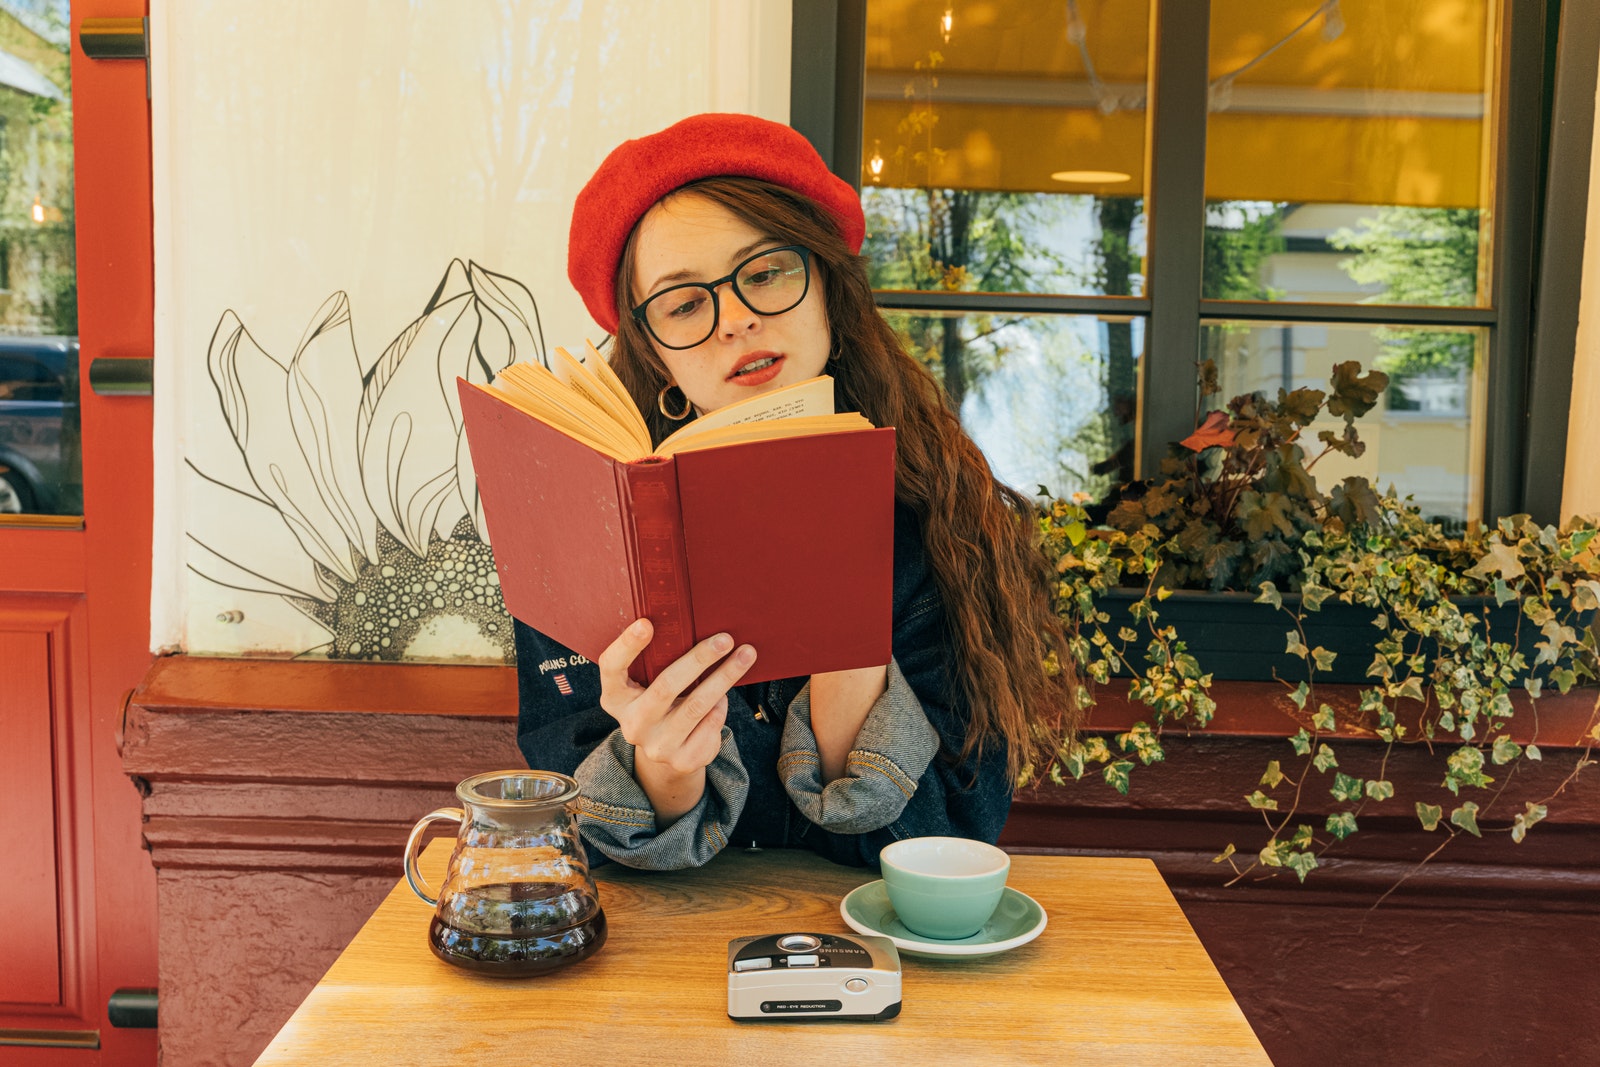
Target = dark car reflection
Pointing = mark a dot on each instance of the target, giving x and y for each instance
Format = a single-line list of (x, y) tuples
[(40, 459)]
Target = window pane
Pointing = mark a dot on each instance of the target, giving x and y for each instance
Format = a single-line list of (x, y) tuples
[(1050, 399), (1003, 150), (1425, 437), (1349, 151), (40, 465)]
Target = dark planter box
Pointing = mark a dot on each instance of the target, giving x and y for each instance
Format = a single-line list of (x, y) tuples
[(1237, 639)]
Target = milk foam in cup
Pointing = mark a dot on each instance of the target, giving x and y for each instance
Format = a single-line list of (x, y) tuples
[(944, 887)]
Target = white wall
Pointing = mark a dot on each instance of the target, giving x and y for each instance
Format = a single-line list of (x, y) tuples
[(1580, 492), (320, 170)]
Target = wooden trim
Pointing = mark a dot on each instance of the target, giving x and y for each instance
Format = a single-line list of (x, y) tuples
[(177, 684), (1265, 710), (41, 522), (50, 1038)]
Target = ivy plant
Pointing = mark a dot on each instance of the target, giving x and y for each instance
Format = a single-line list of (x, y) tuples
[(1236, 507)]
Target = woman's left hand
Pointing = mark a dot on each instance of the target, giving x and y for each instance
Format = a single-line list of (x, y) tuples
[(840, 701)]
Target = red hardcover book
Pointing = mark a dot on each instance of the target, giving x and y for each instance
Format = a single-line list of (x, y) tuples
[(785, 542)]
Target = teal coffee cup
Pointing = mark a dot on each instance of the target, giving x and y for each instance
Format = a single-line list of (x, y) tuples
[(944, 887)]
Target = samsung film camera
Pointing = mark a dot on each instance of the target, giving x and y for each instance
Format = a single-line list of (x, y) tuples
[(794, 976)]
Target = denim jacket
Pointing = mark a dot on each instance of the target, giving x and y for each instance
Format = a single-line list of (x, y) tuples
[(764, 788)]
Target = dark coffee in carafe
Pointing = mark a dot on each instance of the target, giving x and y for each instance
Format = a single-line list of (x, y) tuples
[(518, 899), (518, 928)]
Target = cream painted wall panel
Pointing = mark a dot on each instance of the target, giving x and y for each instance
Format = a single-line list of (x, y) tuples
[(355, 202), (1580, 490)]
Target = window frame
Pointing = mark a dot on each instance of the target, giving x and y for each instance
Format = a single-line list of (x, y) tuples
[(1548, 70)]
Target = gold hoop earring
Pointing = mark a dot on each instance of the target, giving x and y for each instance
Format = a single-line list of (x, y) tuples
[(661, 403)]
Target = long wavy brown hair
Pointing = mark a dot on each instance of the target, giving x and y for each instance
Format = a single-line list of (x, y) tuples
[(1013, 666)]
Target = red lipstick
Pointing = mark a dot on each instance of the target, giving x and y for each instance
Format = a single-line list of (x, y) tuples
[(759, 375)]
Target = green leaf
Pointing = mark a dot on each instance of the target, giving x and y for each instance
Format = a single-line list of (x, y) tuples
[(1324, 658), (1380, 789), (1323, 719), (1302, 836), (1503, 593), (1312, 596), (1466, 817), (1273, 775), (1532, 752), (1465, 767), (1429, 815), (1224, 854), (1301, 742), (1260, 800), (1531, 814), (1299, 694), (1341, 825), (1270, 595), (1411, 688), (1586, 594), (1354, 394), (1324, 760), (1263, 514), (1501, 559), (1505, 750), (1296, 646), (1355, 503), (1303, 863), (1126, 634), (1116, 775), (1142, 741), (1345, 787)]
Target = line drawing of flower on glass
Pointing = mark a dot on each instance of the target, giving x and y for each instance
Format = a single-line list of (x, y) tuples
[(349, 491)]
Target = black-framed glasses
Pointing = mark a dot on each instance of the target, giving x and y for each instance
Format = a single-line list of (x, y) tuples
[(769, 283)]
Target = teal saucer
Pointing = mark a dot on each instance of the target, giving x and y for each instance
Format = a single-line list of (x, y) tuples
[(1018, 920)]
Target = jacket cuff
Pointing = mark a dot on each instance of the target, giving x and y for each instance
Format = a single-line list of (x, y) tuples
[(615, 815), (894, 747)]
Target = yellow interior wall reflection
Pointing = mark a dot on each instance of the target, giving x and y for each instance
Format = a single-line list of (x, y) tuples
[(1370, 102)]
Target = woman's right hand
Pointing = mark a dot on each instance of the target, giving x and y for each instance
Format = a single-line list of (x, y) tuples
[(675, 735)]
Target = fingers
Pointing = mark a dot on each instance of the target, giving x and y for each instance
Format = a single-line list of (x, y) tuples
[(712, 692), (615, 685), (664, 724), (682, 672)]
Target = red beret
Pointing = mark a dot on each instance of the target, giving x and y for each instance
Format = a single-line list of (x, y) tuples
[(640, 172)]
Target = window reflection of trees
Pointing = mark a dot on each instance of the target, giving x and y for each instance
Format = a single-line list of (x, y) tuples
[(1049, 404)]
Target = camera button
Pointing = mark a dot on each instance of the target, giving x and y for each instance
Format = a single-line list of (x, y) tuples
[(856, 985), (803, 961), (761, 964)]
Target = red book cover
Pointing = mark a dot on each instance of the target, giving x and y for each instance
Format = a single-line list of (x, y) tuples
[(786, 544)]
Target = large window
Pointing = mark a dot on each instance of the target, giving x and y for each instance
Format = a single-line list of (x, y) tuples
[(1072, 202), (40, 455)]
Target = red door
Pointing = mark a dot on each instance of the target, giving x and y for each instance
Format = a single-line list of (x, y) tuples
[(75, 628)]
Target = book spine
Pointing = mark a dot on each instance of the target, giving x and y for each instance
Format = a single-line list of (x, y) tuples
[(659, 568)]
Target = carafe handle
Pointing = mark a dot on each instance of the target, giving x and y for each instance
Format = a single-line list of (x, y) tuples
[(414, 878)]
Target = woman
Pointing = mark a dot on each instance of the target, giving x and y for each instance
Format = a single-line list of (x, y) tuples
[(723, 256)]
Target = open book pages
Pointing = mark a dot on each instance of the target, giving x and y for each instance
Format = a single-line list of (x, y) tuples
[(584, 399)]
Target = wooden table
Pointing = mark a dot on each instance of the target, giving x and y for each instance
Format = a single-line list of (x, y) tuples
[(1117, 976)]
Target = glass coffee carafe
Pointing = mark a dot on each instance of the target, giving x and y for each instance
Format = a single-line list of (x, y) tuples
[(518, 898)]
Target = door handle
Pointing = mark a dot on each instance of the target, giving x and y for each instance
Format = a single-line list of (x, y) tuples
[(132, 1009), (115, 38), (121, 376)]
